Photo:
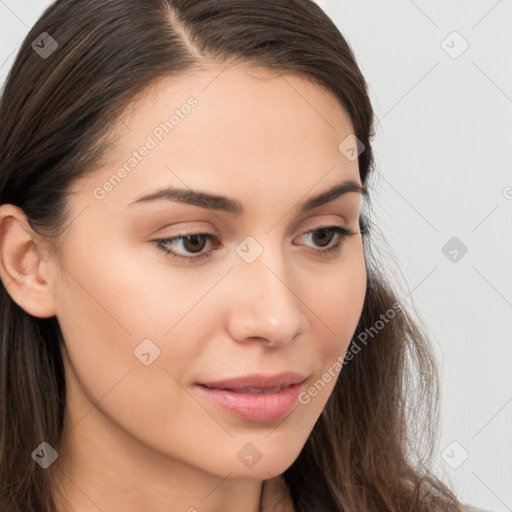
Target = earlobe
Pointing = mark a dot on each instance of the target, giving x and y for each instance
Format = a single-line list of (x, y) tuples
[(22, 268)]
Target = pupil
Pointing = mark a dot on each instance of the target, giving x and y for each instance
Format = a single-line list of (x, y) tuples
[(193, 238), (324, 230)]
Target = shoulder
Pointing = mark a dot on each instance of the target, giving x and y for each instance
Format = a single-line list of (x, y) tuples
[(470, 508)]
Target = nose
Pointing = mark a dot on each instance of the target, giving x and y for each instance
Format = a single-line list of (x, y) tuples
[(266, 303)]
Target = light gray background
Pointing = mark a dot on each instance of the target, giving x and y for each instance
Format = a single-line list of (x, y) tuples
[(444, 150)]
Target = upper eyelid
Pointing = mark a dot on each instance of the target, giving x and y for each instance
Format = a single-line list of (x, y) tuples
[(347, 219), (214, 233)]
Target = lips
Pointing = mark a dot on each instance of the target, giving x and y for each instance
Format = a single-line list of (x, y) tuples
[(257, 383), (254, 390), (255, 398)]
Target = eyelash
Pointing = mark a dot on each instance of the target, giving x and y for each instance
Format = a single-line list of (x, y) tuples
[(343, 234)]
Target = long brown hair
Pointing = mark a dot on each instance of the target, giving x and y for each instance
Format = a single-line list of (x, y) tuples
[(57, 114)]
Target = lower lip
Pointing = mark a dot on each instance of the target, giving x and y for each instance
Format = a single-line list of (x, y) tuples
[(260, 407)]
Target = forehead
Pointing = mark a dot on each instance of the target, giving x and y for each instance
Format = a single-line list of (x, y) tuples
[(230, 98), (217, 85), (228, 125)]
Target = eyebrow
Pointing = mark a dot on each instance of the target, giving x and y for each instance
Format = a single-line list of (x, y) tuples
[(235, 207)]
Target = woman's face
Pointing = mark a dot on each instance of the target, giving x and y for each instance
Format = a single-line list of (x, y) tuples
[(263, 292)]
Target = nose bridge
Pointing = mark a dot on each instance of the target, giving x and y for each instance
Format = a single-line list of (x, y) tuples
[(267, 306)]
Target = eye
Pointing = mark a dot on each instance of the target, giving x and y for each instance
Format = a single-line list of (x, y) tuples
[(194, 242), (190, 241), (323, 236)]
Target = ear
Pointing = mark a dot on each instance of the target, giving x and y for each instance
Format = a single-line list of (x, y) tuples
[(24, 272)]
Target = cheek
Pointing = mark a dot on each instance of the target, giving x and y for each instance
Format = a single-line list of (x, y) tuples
[(115, 307), (337, 301), (105, 312)]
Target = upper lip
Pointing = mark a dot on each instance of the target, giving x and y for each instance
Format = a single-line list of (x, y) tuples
[(258, 381)]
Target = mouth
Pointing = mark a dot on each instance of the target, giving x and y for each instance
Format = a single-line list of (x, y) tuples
[(255, 398), (249, 390), (257, 383)]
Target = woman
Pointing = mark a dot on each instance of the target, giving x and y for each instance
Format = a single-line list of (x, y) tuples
[(265, 368)]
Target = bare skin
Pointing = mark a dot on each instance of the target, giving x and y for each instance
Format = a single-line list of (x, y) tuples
[(140, 437)]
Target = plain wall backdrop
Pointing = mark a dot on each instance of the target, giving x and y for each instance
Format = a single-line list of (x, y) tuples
[(440, 77)]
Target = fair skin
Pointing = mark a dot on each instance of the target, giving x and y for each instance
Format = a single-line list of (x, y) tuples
[(140, 437)]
